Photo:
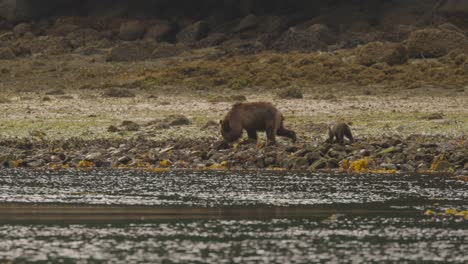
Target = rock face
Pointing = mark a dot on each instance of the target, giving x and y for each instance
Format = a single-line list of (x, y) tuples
[(382, 52), (434, 42)]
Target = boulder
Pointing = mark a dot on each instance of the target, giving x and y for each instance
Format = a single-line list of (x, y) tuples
[(246, 23), (7, 54), (63, 29), (382, 52), (22, 28), (158, 31), (131, 30), (193, 33), (165, 50), (433, 42)]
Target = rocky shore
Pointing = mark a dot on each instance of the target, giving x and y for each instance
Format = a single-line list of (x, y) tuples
[(416, 153)]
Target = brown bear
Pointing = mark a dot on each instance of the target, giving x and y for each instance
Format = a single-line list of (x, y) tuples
[(253, 117), (338, 131)]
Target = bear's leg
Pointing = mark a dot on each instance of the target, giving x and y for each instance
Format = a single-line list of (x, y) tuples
[(340, 138), (349, 135), (252, 134), (270, 132), (283, 132)]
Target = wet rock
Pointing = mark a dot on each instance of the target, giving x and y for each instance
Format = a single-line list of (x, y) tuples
[(333, 163), (130, 52), (128, 125), (35, 163), (388, 166), (336, 154), (131, 30), (158, 31), (193, 33), (118, 93), (270, 161), (313, 156), (406, 168), (382, 52), (7, 54), (124, 160), (364, 152), (300, 163), (434, 42), (319, 164), (94, 157), (22, 28)]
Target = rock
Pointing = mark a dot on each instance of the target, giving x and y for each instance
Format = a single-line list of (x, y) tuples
[(434, 42), (35, 163), (269, 161), (22, 28), (165, 50), (300, 163), (193, 33), (388, 166), (433, 116), (112, 129), (124, 160), (94, 157), (382, 52), (336, 154), (131, 30), (7, 54), (128, 125), (248, 22), (318, 164), (55, 92), (465, 167), (158, 31), (333, 163), (406, 168), (177, 120), (63, 29), (440, 164), (292, 92), (118, 93), (212, 40), (313, 156), (130, 52)]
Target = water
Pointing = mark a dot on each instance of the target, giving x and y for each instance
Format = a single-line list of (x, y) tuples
[(222, 217)]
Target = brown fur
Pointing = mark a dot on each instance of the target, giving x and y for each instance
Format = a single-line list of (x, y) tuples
[(337, 133), (253, 117)]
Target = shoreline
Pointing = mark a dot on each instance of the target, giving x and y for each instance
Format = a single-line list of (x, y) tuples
[(387, 154)]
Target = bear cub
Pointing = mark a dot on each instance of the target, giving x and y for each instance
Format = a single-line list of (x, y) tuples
[(253, 117), (338, 131)]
